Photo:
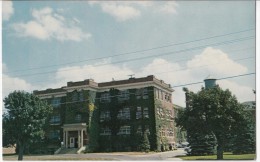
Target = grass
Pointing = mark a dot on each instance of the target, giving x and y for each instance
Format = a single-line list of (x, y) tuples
[(227, 156)]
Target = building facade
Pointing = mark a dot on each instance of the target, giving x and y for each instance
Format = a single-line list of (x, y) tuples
[(125, 110)]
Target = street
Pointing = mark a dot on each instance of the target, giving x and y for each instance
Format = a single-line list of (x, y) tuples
[(118, 156)]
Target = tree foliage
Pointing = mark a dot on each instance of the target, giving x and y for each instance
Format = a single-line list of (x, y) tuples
[(144, 143), (213, 111), (24, 120)]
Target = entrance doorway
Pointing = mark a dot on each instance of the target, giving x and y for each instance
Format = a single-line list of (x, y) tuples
[(76, 143), (72, 142)]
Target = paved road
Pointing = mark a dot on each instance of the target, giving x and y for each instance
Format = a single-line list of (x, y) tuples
[(125, 156), (169, 155)]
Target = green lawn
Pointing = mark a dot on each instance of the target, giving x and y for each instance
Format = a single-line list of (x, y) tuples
[(227, 156)]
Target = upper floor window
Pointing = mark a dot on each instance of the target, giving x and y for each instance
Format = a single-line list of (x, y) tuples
[(55, 102), (138, 113), (146, 112), (124, 130), (104, 115), (74, 96), (124, 113), (55, 119), (78, 117), (142, 93), (105, 97), (123, 95), (81, 96)]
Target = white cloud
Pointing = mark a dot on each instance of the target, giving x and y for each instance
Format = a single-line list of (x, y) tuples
[(7, 10), (220, 64), (47, 24), (168, 7), (127, 10)]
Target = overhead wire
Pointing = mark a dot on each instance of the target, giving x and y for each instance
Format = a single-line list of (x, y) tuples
[(138, 51), (140, 58)]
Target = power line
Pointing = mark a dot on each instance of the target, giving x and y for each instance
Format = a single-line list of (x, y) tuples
[(181, 60), (235, 76), (140, 58), (138, 51)]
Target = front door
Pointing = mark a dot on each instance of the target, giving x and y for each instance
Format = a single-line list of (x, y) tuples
[(72, 142)]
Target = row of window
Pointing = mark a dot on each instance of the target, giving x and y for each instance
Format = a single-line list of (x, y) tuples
[(165, 112), (167, 133), (162, 95), (125, 113), (124, 130), (56, 119), (125, 95)]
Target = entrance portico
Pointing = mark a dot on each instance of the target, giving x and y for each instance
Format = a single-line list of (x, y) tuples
[(74, 135)]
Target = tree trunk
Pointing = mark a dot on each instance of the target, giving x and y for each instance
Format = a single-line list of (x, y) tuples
[(20, 153), (220, 152)]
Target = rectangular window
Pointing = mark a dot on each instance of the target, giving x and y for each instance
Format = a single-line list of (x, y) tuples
[(145, 93), (55, 102), (78, 118), (123, 95), (124, 113), (104, 115), (138, 113), (105, 131), (81, 96), (55, 119), (75, 96), (105, 97), (54, 134), (139, 130), (142, 93), (124, 130), (146, 112)]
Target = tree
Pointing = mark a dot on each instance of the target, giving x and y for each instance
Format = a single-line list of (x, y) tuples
[(25, 118), (144, 143), (216, 111)]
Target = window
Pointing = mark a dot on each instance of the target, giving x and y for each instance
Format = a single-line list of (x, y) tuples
[(142, 93), (55, 102), (124, 130), (105, 131), (78, 118), (170, 133), (54, 134), (123, 95), (139, 130), (138, 113), (104, 115), (145, 93), (75, 96), (81, 96), (124, 113), (105, 97), (55, 119), (147, 129), (146, 113)]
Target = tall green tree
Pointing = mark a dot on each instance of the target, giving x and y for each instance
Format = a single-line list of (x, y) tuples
[(25, 118), (144, 143), (216, 111)]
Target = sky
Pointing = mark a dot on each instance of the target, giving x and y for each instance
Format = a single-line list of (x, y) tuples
[(47, 44)]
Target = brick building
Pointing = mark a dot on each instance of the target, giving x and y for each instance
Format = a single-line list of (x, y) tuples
[(126, 109)]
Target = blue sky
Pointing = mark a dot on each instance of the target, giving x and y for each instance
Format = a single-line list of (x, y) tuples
[(46, 44)]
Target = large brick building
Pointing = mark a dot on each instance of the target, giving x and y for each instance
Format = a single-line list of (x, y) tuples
[(126, 109)]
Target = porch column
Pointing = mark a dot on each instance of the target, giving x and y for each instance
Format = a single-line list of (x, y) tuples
[(66, 144), (79, 140), (82, 139), (64, 137)]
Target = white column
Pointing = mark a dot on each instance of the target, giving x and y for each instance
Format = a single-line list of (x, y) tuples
[(66, 144), (79, 140), (82, 139), (64, 137)]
